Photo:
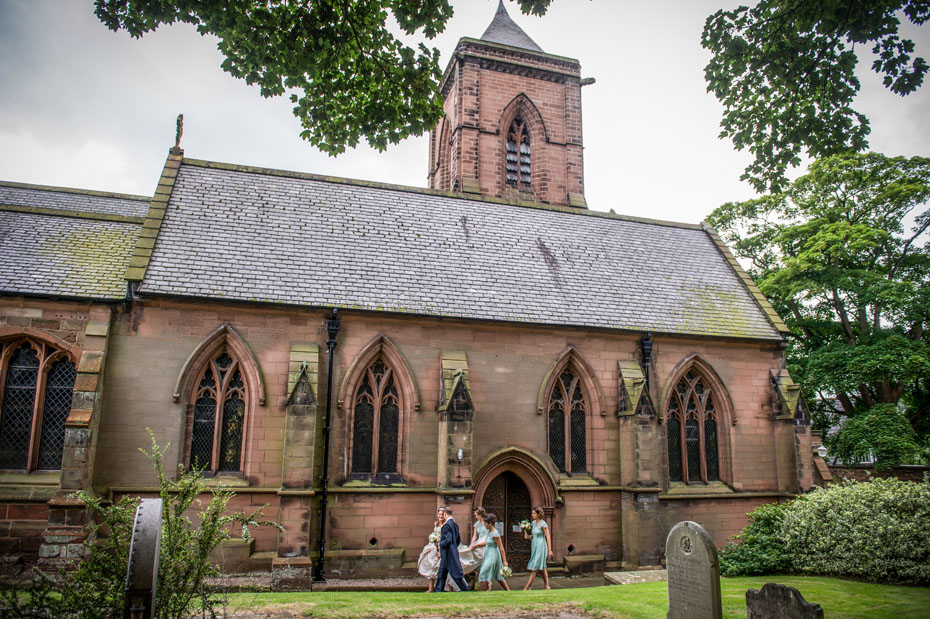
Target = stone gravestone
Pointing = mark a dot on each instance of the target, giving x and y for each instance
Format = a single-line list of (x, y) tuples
[(693, 573), (780, 601), (142, 572)]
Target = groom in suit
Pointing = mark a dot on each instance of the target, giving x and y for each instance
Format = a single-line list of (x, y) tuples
[(449, 562)]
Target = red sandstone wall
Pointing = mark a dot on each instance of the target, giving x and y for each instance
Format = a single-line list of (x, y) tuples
[(507, 365), (476, 98), (864, 473), (722, 518), (21, 527)]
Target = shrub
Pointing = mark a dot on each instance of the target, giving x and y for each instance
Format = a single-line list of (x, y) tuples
[(883, 431), (96, 588), (759, 548), (875, 530)]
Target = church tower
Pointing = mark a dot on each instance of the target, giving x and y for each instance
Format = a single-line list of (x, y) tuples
[(512, 127)]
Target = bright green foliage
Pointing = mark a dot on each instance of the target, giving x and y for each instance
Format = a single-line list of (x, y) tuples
[(883, 432), (184, 559), (346, 72), (758, 549), (785, 73), (842, 254), (873, 531), (96, 588)]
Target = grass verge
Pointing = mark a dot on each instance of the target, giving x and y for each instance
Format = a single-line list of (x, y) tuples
[(839, 598)]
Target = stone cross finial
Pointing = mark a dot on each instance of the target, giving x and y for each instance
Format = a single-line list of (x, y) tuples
[(179, 132)]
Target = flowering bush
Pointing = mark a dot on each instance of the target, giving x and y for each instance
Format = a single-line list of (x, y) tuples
[(875, 530)]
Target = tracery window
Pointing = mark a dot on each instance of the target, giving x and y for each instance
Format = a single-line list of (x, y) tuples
[(567, 424), (518, 154), (36, 385), (376, 422), (691, 426), (219, 404)]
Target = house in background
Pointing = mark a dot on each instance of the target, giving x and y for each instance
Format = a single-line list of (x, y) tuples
[(498, 344)]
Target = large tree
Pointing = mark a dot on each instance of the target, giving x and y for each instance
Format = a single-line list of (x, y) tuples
[(347, 73), (785, 73), (842, 253)]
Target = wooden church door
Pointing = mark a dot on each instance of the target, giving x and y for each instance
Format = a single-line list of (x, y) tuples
[(508, 498)]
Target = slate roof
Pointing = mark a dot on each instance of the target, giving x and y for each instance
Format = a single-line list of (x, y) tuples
[(73, 199), (505, 31), (66, 243), (279, 237)]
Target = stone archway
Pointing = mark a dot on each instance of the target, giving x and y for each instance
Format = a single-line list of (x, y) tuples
[(513, 481)]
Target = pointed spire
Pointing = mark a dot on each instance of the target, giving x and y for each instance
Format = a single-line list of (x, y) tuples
[(505, 31)]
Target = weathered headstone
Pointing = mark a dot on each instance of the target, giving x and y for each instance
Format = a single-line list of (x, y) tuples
[(780, 601), (693, 573), (142, 572)]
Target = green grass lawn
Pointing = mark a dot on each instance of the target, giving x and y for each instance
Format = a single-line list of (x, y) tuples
[(839, 598)]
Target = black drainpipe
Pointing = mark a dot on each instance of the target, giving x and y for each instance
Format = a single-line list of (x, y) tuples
[(332, 329)]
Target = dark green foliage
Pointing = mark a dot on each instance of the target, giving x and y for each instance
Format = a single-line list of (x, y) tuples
[(758, 549), (96, 588), (842, 255), (882, 432), (785, 73), (347, 74)]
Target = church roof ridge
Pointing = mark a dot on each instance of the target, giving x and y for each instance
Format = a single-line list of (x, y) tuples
[(75, 190), (236, 167), (503, 29)]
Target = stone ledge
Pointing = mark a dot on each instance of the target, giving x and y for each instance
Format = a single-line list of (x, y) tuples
[(580, 564), (633, 577)]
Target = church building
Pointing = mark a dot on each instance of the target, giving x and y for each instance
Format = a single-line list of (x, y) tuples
[(487, 341)]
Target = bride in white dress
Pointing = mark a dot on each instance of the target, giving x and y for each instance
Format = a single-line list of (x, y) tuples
[(428, 563)]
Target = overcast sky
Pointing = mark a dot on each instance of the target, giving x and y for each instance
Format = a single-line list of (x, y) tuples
[(81, 106)]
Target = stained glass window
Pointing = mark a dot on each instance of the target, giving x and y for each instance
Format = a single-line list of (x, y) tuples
[(376, 422), (219, 406), (568, 432), (38, 382), (692, 453)]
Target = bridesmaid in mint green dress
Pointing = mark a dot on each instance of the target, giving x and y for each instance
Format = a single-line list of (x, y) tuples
[(495, 557), (478, 532), (540, 549)]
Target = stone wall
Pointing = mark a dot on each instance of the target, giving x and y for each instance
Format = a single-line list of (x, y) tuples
[(864, 472), (507, 367)]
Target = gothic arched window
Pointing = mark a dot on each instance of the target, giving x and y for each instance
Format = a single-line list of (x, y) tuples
[(376, 422), (36, 384), (691, 426), (518, 154), (567, 424), (219, 403)]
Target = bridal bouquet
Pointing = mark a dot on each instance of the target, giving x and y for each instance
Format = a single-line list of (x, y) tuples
[(527, 526), (433, 537), (506, 572)]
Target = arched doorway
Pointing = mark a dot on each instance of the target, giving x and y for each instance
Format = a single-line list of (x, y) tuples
[(508, 498)]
